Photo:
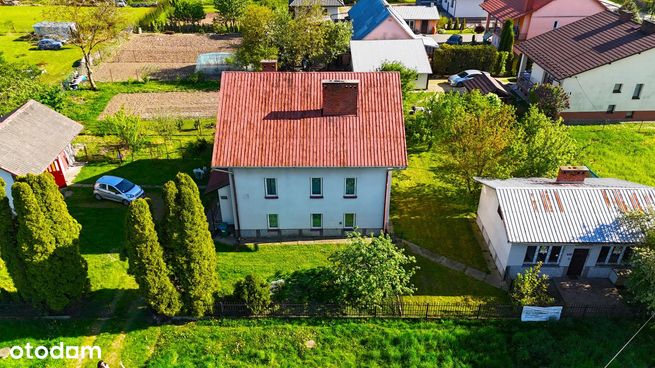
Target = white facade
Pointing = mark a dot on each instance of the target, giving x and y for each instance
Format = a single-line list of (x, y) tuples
[(294, 204), (331, 12), (593, 90), (9, 181), (509, 257), (463, 8)]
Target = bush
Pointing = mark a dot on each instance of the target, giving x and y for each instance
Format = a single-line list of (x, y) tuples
[(531, 287), (453, 59), (479, 29), (254, 292), (501, 63), (314, 285)]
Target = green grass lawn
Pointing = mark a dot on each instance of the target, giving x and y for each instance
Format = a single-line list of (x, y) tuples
[(429, 211), (347, 343), (625, 151), (16, 22)]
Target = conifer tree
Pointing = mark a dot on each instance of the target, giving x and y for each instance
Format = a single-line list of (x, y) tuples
[(506, 42), (190, 248), (8, 251), (146, 261)]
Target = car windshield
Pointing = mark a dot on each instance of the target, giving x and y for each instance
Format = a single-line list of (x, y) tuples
[(462, 74), (125, 186)]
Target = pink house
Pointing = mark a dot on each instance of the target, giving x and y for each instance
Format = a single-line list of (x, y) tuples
[(534, 17)]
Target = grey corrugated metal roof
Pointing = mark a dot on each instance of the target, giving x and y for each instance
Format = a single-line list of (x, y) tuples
[(325, 3), (367, 56), (417, 12), (32, 137), (541, 211)]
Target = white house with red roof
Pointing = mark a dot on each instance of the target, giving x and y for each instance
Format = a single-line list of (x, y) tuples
[(35, 138), (307, 154)]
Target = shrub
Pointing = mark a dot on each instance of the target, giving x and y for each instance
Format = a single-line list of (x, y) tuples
[(449, 24), (550, 99), (462, 24), (254, 292), (501, 63), (479, 28), (407, 76), (531, 287), (456, 24), (314, 285), (453, 59)]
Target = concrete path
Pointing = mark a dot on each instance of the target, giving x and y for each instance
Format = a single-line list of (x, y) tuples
[(490, 278)]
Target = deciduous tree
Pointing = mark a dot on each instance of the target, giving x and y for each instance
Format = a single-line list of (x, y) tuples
[(531, 287), (146, 261), (230, 11), (257, 36), (641, 282), (129, 130), (20, 82), (408, 76), (187, 11), (550, 99), (254, 292)]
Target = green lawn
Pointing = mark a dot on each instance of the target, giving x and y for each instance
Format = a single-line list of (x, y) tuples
[(625, 151), (429, 211), (16, 22), (347, 343)]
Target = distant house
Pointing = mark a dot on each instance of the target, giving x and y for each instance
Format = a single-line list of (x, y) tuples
[(307, 154), (534, 17), (604, 62), (420, 19), (469, 9), (485, 83), (572, 224), (368, 56), (377, 20), (33, 139), (330, 7)]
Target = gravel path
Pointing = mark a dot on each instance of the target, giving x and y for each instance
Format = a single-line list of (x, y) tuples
[(171, 104)]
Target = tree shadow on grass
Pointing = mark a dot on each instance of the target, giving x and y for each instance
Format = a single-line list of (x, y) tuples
[(142, 171)]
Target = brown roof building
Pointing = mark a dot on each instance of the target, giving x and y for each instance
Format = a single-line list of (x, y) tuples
[(605, 63)]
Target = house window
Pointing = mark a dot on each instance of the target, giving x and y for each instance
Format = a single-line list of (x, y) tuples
[(637, 93), (350, 188), (610, 109), (613, 255), (271, 188), (316, 188), (629, 114), (317, 220), (617, 88), (349, 220), (555, 24), (273, 221), (544, 253)]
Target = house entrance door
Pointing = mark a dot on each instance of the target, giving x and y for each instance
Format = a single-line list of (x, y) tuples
[(424, 26), (577, 262)]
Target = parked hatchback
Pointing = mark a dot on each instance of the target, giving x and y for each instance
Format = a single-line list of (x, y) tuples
[(117, 189), (49, 44), (455, 40), (457, 80)]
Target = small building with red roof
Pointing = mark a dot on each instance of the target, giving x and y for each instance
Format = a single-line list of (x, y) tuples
[(307, 154), (534, 17)]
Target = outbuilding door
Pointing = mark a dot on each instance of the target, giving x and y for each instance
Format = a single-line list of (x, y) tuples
[(578, 260), (424, 26), (56, 170)]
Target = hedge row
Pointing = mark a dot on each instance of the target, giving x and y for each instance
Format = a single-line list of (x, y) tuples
[(449, 59)]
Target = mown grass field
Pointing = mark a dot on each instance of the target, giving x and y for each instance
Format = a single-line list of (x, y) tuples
[(16, 22), (347, 343)]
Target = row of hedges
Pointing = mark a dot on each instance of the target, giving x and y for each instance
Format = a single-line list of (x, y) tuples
[(449, 59)]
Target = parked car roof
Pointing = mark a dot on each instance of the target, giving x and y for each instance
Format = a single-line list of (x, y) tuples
[(109, 180)]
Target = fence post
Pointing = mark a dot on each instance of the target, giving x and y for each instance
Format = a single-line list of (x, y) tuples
[(584, 311), (427, 310), (221, 309), (479, 311)]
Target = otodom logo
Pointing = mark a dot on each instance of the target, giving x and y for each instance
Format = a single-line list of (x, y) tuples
[(59, 351)]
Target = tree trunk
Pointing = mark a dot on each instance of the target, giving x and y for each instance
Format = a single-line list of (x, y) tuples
[(89, 72)]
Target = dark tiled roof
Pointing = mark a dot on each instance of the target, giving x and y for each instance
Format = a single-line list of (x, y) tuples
[(586, 44), (511, 9), (486, 84), (217, 180), (275, 119)]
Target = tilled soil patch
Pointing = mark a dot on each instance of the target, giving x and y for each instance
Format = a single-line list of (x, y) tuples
[(170, 104)]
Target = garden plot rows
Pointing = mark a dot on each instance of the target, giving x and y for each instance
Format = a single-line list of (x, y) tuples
[(161, 56), (171, 104)]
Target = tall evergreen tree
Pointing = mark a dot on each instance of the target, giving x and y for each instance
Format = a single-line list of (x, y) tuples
[(190, 248), (8, 250), (507, 37), (146, 261)]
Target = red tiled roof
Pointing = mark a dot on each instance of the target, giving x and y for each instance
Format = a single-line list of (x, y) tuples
[(511, 9), (586, 44), (274, 119)]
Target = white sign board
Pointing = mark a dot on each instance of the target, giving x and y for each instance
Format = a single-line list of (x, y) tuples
[(540, 314)]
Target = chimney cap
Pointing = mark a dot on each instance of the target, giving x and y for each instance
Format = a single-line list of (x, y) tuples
[(340, 81), (572, 174)]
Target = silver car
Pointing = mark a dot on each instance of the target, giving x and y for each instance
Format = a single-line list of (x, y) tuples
[(117, 189), (457, 80)]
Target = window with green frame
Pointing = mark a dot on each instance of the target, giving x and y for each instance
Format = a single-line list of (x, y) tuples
[(273, 221), (350, 187), (348, 220), (316, 187), (317, 220), (271, 187)]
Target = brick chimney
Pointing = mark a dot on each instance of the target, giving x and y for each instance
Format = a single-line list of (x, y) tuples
[(625, 16), (647, 27), (269, 65), (340, 97), (572, 174)]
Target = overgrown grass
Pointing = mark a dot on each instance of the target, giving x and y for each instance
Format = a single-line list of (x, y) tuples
[(429, 211), (625, 151)]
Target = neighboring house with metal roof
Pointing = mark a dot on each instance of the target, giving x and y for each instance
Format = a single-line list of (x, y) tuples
[(33, 139), (376, 20), (368, 56), (573, 224), (604, 62), (307, 154), (534, 17), (419, 18), (469, 9), (330, 7)]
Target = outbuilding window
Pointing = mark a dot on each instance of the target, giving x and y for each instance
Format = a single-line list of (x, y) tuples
[(546, 254), (613, 255)]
